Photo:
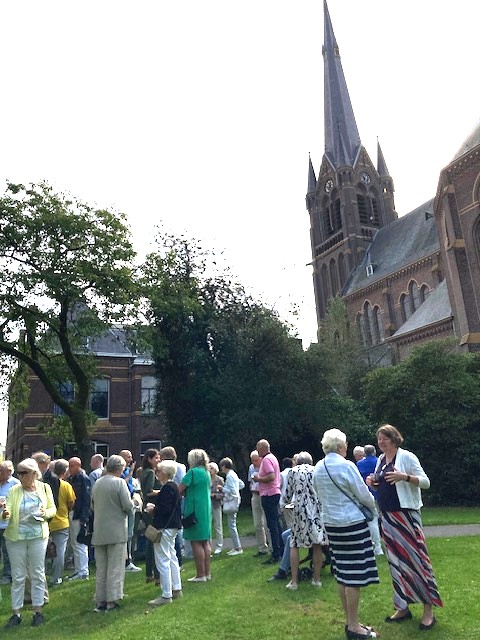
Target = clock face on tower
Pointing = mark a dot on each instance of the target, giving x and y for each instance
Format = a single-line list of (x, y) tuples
[(365, 178), (328, 186)]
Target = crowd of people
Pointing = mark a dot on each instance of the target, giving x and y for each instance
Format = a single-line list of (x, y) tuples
[(54, 509)]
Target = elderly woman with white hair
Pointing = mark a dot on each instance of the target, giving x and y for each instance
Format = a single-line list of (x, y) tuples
[(29, 506), (166, 517), (111, 506), (342, 492), (307, 529), (195, 485)]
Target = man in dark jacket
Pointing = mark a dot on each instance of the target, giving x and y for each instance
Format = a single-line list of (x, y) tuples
[(78, 517)]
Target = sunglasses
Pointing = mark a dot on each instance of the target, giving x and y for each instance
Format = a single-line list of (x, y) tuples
[(23, 473)]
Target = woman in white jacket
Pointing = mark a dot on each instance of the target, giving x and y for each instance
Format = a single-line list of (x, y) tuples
[(398, 480), (231, 502)]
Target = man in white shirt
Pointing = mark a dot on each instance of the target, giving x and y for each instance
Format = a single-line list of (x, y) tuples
[(7, 481)]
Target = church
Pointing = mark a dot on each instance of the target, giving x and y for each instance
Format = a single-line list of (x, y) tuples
[(405, 280)]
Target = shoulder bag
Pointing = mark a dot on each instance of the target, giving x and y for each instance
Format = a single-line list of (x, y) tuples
[(366, 512), (190, 520)]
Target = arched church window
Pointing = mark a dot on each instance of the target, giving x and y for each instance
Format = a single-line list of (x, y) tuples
[(476, 238), (377, 325), (325, 287), (337, 216), (367, 314), (375, 217), (327, 222), (360, 322), (363, 209), (405, 306), (414, 292), (341, 269), (424, 293), (333, 277)]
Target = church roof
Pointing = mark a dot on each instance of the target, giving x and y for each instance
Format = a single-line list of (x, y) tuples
[(435, 309), (342, 140), (397, 245), (471, 141)]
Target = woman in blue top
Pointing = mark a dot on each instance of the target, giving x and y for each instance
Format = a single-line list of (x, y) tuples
[(195, 486)]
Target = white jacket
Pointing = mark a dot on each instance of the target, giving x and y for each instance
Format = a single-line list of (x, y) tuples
[(409, 494)]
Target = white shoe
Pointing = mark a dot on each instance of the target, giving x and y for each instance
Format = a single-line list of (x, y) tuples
[(235, 552), (195, 579), (79, 576), (132, 568), (159, 601), (209, 577), (217, 551), (292, 586), (316, 583), (378, 551)]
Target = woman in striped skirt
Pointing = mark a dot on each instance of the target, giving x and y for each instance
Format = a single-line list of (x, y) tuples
[(398, 479), (340, 488)]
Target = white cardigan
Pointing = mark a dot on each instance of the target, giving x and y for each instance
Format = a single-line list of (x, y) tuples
[(409, 495)]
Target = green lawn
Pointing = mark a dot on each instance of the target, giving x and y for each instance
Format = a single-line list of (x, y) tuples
[(239, 604)]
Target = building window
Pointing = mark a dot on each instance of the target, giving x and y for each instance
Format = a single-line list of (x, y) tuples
[(99, 397), (360, 322), (102, 448), (415, 301), (367, 312), (67, 392), (341, 270), (149, 444), (325, 283), (405, 306), (424, 293), (377, 326), (333, 277), (149, 395)]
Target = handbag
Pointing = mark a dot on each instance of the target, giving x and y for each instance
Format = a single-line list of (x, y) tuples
[(153, 534), (190, 520), (366, 512), (51, 549), (231, 504)]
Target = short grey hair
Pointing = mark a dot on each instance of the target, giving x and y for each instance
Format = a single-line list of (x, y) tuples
[(29, 464), (332, 440), (304, 458), (359, 449), (198, 458), (115, 463), (60, 467), (169, 468), (213, 466), (7, 464), (370, 450)]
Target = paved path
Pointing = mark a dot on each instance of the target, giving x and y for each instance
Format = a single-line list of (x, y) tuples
[(440, 531)]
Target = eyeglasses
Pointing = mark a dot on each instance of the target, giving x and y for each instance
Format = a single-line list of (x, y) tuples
[(23, 473)]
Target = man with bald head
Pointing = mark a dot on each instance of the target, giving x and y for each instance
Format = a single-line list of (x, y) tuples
[(268, 478), (78, 517)]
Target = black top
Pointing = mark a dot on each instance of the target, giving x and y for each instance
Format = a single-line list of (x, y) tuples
[(387, 495), (167, 508)]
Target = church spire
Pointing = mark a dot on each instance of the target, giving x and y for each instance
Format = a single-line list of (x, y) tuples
[(381, 164), (342, 140), (312, 180)]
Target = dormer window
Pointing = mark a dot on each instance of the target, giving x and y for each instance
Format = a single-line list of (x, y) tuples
[(369, 270)]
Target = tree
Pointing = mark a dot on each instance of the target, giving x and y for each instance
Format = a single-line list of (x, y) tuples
[(66, 276), (340, 349), (433, 398), (229, 370)]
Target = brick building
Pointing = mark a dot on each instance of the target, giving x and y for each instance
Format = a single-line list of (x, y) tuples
[(405, 280), (123, 398)]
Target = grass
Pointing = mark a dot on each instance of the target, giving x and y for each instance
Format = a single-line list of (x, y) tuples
[(239, 603)]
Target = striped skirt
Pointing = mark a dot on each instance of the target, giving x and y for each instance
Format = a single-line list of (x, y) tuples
[(410, 567), (353, 560)]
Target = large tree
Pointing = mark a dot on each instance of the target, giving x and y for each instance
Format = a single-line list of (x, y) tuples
[(65, 276), (433, 398), (229, 370)]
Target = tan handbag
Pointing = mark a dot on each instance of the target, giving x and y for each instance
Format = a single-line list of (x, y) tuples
[(153, 534)]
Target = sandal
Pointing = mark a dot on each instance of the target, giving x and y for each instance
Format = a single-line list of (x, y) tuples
[(353, 635), (406, 616)]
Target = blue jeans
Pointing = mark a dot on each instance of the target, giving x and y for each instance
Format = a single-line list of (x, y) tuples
[(270, 508), (7, 571), (285, 561), (232, 527)]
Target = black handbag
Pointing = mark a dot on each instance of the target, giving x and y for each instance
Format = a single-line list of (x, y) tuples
[(190, 520)]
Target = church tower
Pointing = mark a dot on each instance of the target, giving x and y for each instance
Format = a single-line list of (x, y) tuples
[(351, 198)]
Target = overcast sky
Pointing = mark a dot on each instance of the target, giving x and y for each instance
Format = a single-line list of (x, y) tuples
[(202, 114)]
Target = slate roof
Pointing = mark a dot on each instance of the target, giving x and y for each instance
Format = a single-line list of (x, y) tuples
[(397, 245), (435, 308), (471, 141), (116, 342)]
